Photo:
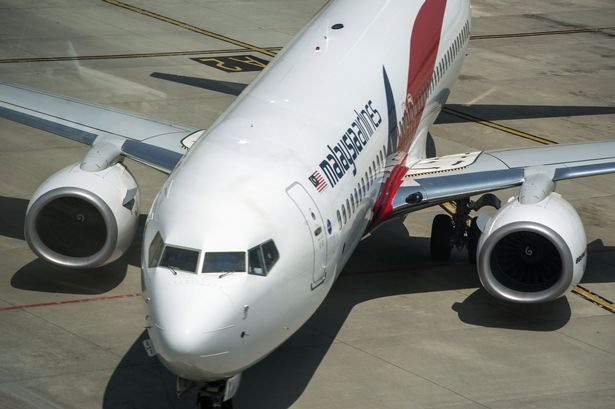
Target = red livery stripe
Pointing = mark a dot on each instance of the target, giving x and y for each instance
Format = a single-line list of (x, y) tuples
[(424, 44)]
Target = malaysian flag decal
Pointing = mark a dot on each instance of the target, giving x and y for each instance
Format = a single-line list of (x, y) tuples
[(318, 181)]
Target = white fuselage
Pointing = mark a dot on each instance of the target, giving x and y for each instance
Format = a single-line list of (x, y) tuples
[(349, 106)]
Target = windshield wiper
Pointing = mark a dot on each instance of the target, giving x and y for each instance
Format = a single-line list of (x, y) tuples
[(172, 268), (225, 273)]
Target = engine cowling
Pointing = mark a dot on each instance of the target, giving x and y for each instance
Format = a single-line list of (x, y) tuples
[(531, 253), (83, 219)]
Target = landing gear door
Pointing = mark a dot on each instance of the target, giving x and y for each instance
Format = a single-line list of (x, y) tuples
[(315, 224)]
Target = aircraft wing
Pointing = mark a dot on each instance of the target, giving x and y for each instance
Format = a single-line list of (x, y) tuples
[(155, 143), (436, 180)]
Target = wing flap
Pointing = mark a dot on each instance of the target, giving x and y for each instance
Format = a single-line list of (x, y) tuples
[(155, 143), (60, 128), (565, 155), (436, 180)]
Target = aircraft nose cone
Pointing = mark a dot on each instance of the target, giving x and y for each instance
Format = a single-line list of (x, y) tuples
[(192, 321)]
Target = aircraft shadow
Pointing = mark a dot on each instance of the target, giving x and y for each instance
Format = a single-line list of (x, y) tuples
[(141, 382), (387, 263), (281, 378), (491, 112), (225, 87), (43, 277), (12, 217)]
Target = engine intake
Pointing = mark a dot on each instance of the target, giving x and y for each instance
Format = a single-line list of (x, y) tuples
[(83, 219), (532, 252)]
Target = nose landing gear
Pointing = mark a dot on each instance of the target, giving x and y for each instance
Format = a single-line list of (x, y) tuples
[(217, 394), (212, 395), (458, 229)]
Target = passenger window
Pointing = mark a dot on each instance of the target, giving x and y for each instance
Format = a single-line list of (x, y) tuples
[(339, 219), (352, 201), (344, 213), (348, 206), (363, 186), (224, 262), (155, 250), (176, 258)]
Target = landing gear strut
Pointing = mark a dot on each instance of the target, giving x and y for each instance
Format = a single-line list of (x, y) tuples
[(211, 396), (458, 229)]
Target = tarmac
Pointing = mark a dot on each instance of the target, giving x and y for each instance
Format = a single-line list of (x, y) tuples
[(397, 330)]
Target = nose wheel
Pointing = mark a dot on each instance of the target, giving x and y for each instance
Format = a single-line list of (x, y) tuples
[(218, 394), (210, 402)]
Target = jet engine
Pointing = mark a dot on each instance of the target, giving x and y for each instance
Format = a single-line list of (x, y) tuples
[(532, 252), (83, 219)]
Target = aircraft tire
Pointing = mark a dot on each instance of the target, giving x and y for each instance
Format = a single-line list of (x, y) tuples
[(441, 233)]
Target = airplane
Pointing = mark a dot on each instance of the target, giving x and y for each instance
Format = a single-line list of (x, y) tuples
[(261, 212)]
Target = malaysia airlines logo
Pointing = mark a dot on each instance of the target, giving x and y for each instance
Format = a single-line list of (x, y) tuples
[(342, 156), (318, 181)]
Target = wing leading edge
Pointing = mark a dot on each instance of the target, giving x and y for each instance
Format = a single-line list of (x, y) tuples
[(155, 143), (432, 181)]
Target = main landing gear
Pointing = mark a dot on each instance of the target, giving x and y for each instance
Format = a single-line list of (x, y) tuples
[(458, 229)]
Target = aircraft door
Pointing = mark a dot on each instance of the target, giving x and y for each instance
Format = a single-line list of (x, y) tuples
[(316, 226)]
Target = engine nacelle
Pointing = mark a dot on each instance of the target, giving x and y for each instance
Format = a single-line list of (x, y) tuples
[(532, 253), (83, 219)]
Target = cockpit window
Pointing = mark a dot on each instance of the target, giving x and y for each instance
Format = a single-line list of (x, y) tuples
[(155, 250), (261, 259), (224, 262), (270, 254), (256, 264), (176, 258)]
